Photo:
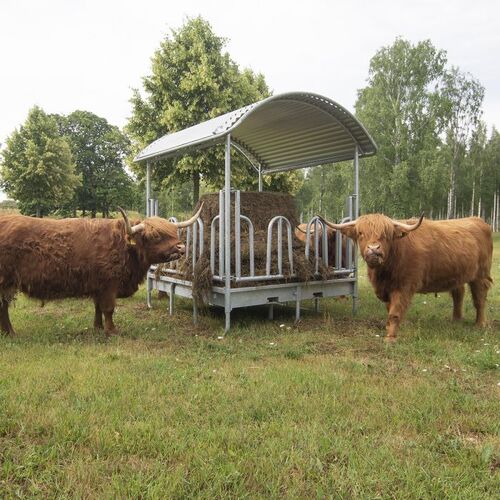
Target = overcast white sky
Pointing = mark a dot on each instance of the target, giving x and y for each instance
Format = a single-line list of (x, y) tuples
[(65, 55)]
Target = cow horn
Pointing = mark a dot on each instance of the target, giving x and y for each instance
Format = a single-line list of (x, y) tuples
[(191, 221), (299, 229), (408, 227), (131, 230), (337, 226)]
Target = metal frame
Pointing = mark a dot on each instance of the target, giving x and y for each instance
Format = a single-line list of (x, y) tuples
[(266, 290)]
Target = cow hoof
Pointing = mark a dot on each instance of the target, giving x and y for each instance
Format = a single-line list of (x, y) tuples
[(389, 340)]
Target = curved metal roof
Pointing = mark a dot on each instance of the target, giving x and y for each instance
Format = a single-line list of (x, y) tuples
[(282, 132)]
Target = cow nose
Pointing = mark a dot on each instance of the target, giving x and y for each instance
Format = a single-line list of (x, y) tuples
[(181, 248)]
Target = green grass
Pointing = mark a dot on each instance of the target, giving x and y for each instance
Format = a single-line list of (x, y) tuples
[(323, 409)]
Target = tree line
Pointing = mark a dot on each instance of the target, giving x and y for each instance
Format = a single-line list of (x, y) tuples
[(434, 153)]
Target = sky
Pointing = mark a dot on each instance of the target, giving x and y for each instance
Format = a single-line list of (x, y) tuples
[(64, 55)]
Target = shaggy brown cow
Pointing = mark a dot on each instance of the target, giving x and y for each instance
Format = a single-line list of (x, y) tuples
[(103, 259), (422, 257)]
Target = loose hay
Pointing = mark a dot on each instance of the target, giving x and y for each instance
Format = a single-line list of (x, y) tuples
[(260, 208)]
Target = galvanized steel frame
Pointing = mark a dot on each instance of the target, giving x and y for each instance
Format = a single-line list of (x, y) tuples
[(230, 297)]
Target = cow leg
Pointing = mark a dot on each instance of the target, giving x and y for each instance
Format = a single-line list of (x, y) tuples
[(98, 325), (5, 324), (398, 304), (458, 301), (107, 304), (479, 290)]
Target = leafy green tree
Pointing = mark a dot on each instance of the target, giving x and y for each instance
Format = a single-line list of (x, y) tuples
[(99, 150), (490, 186), (192, 80), (402, 108), (463, 97), (37, 168)]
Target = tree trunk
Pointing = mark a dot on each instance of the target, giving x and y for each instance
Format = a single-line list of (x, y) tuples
[(196, 187), (472, 201)]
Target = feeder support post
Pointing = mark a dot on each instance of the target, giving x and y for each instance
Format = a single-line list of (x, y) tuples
[(148, 188), (354, 217), (227, 233)]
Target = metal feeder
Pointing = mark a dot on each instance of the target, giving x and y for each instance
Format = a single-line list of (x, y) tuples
[(283, 132)]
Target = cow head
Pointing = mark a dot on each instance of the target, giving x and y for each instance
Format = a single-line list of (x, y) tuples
[(156, 238), (375, 234)]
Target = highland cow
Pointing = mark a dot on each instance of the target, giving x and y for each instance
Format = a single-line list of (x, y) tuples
[(101, 259), (405, 258)]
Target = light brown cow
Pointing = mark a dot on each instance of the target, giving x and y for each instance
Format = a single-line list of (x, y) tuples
[(102, 259), (411, 257)]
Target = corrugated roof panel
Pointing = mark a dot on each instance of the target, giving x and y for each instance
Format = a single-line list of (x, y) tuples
[(283, 132)]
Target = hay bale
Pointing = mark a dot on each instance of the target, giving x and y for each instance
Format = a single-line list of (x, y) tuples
[(260, 208)]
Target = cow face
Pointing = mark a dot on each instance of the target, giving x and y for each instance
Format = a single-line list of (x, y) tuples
[(375, 234), (156, 238), (159, 241)]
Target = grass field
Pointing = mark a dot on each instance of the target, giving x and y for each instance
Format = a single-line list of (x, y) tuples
[(324, 409)]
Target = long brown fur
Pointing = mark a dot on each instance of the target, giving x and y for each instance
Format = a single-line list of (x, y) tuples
[(438, 256), (54, 259)]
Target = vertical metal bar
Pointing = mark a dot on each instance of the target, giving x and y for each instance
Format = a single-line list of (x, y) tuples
[(269, 247), (201, 239), (195, 241), (356, 215), (316, 246), (290, 246), (149, 288), (188, 242), (171, 299), (338, 250), (215, 220), (297, 304), (356, 182), (260, 178), (324, 244), (237, 234), (227, 232), (148, 188), (349, 243), (157, 208), (270, 312), (221, 232), (280, 246)]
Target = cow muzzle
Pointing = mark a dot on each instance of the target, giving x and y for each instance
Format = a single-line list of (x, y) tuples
[(373, 257), (176, 253)]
